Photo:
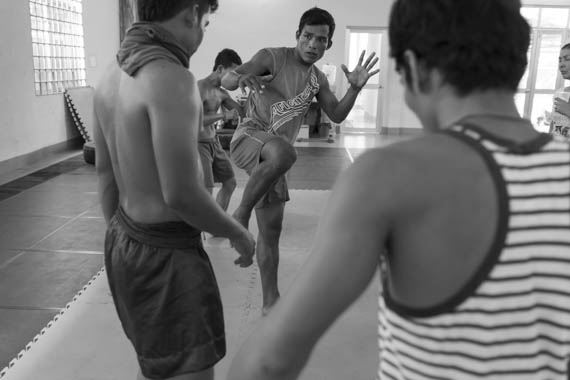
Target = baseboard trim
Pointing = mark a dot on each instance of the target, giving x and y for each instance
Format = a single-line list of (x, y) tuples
[(401, 131), (33, 158)]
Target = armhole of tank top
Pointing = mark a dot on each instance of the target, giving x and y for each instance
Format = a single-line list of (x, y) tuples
[(493, 253), (278, 64)]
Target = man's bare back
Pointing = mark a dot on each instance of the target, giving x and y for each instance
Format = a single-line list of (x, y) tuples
[(120, 106)]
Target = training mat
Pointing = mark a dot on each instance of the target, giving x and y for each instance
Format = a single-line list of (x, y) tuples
[(86, 341)]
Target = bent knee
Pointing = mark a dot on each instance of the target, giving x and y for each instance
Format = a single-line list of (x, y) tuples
[(279, 153)]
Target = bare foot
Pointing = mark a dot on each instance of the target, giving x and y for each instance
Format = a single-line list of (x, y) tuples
[(242, 217)]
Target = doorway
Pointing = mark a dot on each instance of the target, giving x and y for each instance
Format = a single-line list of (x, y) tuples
[(366, 115)]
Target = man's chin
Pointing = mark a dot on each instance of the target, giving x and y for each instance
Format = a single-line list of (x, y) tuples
[(310, 59)]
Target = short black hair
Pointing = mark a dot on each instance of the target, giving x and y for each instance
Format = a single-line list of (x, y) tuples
[(226, 58), (475, 44), (567, 46), (317, 16), (162, 10)]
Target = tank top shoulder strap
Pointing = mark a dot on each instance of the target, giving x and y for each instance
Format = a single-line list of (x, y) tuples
[(497, 143)]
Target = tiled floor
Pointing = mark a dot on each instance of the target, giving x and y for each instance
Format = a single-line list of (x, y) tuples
[(52, 231)]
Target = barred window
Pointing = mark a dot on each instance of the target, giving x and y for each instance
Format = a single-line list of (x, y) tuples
[(57, 45)]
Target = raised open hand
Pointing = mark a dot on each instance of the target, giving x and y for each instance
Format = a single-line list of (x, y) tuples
[(255, 83), (358, 77)]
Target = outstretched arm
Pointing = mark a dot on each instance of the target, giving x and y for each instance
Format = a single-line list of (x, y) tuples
[(336, 110), (345, 257), (252, 74)]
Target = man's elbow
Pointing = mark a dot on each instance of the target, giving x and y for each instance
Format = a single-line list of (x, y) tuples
[(267, 365), (336, 118)]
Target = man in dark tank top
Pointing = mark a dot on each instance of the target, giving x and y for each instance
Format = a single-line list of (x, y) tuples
[(283, 82), (472, 219)]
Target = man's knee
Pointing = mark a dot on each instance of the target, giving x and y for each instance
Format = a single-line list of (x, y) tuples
[(270, 231), (279, 153)]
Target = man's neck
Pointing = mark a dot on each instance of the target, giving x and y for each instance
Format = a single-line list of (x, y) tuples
[(174, 27), (488, 103), (300, 61), (213, 80)]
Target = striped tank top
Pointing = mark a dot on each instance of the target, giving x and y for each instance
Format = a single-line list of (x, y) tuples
[(512, 320)]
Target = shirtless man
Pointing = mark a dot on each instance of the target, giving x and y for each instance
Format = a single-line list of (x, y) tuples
[(473, 218), (148, 112), (283, 81), (215, 162)]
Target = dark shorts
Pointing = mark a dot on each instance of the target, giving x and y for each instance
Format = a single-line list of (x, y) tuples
[(245, 151), (166, 295), (216, 164)]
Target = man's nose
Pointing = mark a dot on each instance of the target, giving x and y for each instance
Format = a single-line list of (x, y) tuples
[(313, 42)]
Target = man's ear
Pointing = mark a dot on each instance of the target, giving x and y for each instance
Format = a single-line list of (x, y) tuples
[(411, 66), (297, 34), (192, 15), (419, 78), (329, 44)]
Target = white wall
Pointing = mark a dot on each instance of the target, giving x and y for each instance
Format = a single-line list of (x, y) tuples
[(29, 122), (101, 23)]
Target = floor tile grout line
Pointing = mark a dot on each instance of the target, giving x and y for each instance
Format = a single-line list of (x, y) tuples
[(11, 260), (29, 308), (59, 229), (72, 251), (28, 347)]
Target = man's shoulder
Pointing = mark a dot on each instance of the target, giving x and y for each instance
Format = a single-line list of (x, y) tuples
[(164, 75), (278, 53), (404, 158), (166, 69)]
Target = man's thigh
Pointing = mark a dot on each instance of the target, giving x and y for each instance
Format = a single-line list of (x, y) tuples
[(221, 165), (207, 159), (245, 152)]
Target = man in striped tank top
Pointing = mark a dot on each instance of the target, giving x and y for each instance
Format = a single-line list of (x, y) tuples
[(472, 218)]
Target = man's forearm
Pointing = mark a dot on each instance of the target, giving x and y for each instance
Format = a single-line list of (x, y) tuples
[(211, 118), (230, 81), (344, 106), (199, 209)]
